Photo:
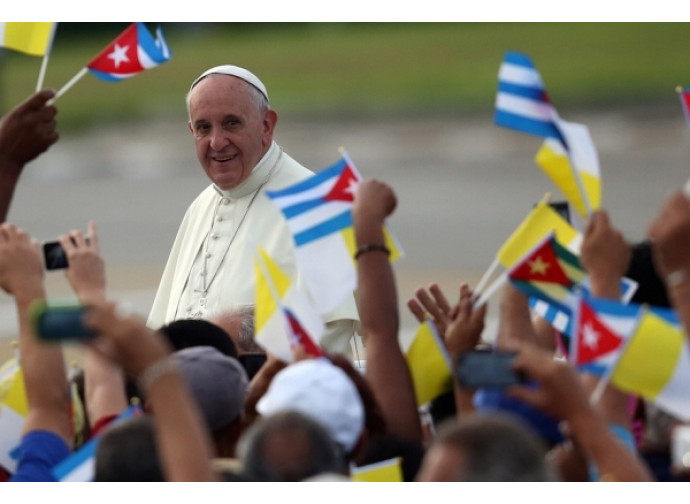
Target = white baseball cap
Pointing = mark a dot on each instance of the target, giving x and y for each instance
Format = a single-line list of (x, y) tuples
[(322, 391)]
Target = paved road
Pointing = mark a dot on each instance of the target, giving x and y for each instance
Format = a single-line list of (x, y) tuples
[(463, 185)]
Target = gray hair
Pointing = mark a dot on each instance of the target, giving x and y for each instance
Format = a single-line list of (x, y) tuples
[(312, 449)]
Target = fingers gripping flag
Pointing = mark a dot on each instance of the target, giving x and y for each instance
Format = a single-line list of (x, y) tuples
[(319, 213), (132, 52)]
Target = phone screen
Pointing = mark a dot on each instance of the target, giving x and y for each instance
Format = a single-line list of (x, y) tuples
[(54, 255), (55, 323), (487, 369)]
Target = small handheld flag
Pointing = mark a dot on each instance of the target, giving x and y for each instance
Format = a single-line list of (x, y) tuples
[(600, 330), (132, 52), (522, 104), (284, 317), (33, 39), (318, 211)]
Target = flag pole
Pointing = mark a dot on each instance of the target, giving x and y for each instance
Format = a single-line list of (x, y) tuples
[(71, 83), (46, 56), (599, 390), (485, 278), (498, 283)]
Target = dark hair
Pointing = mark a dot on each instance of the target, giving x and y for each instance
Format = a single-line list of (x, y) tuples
[(651, 289), (496, 447), (288, 446), (127, 452), (185, 333)]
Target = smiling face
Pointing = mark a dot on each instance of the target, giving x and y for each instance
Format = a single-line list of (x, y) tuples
[(231, 131)]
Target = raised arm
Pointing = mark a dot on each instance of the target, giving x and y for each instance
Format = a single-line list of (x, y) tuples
[(377, 300), (463, 334), (560, 393), (670, 235), (104, 382), (25, 132), (183, 443), (45, 380), (606, 257)]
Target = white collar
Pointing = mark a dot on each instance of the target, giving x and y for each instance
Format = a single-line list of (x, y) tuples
[(256, 177)]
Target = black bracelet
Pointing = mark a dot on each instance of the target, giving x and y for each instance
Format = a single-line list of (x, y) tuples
[(374, 247)]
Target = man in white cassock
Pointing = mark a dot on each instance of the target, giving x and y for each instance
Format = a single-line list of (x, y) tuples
[(211, 264)]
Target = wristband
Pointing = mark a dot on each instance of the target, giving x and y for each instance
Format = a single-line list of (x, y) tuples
[(156, 370), (374, 247)]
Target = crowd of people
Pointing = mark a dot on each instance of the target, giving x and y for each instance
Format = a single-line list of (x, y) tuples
[(212, 405)]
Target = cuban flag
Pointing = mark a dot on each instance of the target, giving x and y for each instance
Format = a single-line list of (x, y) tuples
[(319, 213), (561, 319), (600, 329), (522, 103), (132, 52)]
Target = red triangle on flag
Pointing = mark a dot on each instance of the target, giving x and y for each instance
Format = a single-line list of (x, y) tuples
[(594, 338), (301, 336), (541, 265), (121, 55), (344, 188)]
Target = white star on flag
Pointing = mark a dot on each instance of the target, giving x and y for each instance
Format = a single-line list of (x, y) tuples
[(590, 336), (352, 187), (119, 55)]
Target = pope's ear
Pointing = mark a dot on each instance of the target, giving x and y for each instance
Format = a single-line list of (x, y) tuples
[(270, 121), (189, 125)]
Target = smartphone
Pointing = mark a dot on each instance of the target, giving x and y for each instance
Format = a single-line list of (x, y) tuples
[(487, 368), (59, 322), (54, 256)]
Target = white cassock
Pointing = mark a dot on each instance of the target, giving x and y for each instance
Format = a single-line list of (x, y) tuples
[(218, 236)]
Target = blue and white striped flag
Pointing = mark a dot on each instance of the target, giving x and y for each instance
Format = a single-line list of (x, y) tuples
[(319, 213), (81, 465), (561, 319), (522, 103)]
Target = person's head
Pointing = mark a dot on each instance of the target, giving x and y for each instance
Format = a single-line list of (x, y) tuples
[(231, 122), (485, 448), (219, 386), (127, 452), (186, 333), (322, 391), (289, 446), (238, 322)]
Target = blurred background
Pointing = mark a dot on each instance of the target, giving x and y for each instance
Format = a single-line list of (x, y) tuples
[(412, 103)]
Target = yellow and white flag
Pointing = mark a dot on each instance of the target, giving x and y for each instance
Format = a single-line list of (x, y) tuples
[(387, 471), (30, 38), (13, 411), (429, 364), (283, 315), (556, 164), (655, 364)]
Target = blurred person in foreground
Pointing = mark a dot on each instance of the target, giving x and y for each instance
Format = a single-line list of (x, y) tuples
[(26, 131)]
